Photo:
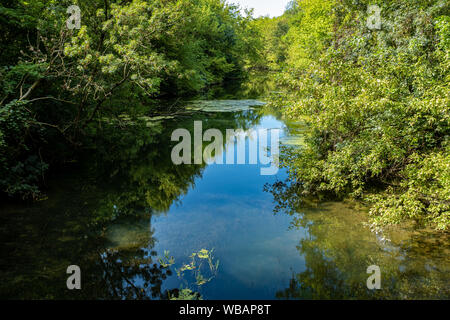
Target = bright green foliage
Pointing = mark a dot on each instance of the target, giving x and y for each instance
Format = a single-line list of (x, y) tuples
[(310, 29), (377, 105), (274, 38), (273, 49), (173, 46), (425, 196)]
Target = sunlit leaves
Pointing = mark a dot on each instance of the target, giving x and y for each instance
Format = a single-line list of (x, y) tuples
[(377, 105)]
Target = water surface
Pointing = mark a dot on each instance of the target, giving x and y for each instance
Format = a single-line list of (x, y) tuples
[(118, 211)]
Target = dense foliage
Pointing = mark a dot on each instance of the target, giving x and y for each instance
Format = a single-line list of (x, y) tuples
[(54, 81), (376, 103)]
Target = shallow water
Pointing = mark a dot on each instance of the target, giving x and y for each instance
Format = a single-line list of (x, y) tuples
[(117, 211)]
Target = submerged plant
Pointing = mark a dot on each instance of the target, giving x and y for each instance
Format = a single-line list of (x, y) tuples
[(196, 264), (202, 267), (186, 294), (166, 261)]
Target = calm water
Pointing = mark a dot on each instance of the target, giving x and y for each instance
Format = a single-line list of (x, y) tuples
[(125, 204)]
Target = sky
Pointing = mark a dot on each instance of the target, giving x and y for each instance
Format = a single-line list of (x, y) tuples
[(273, 8)]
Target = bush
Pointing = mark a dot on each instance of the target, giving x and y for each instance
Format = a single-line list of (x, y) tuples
[(377, 105)]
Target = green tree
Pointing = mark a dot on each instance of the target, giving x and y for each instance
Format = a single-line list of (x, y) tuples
[(376, 104)]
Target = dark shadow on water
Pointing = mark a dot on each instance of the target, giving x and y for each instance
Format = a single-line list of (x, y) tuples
[(100, 215), (339, 247)]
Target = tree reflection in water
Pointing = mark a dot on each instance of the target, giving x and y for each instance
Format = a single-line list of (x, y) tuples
[(338, 249), (98, 216)]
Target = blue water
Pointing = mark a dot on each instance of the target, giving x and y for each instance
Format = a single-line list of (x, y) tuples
[(118, 212)]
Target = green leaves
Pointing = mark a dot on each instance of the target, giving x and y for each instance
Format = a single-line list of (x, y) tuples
[(194, 268), (377, 106), (423, 195)]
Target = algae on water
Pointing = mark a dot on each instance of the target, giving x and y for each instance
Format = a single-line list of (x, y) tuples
[(223, 105)]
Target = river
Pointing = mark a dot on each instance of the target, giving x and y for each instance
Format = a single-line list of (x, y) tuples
[(125, 206)]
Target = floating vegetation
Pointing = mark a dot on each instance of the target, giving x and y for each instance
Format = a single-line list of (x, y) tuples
[(155, 118), (127, 120), (154, 121), (224, 105), (202, 267), (196, 264), (166, 261), (293, 141)]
